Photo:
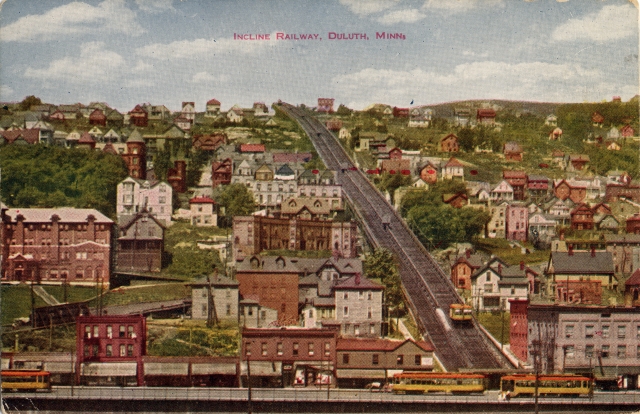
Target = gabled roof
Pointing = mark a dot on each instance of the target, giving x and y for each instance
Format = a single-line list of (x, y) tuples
[(135, 136), (143, 222), (202, 200), (66, 214), (357, 283), (453, 162), (634, 280), (381, 345), (582, 262), (285, 170), (213, 102)]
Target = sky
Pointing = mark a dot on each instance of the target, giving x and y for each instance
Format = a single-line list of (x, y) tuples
[(126, 52)]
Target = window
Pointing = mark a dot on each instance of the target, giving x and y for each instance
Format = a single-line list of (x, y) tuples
[(638, 331), (360, 295), (122, 350), (96, 330), (130, 331), (247, 349), (87, 331), (109, 350), (356, 330), (296, 346), (280, 348), (588, 331), (345, 359), (109, 331), (327, 349), (369, 313), (488, 288), (86, 350), (345, 311), (400, 360), (605, 351), (122, 331), (622, 351), (311, 349), (605, 331), (638, 352), (345, 296), (417, 359), (228, 310), (568, 330), (372, 328), (130, 350), (369, 295), (622, 331), (375, 359), (588, 351), (569, 351), (163, 200), (263, 350)]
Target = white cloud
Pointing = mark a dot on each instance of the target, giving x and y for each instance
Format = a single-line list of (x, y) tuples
[(522, 81), (364, 8), (611, 23), (110, 16), (5, 92), (458, 6), (94, 65), (199, 48), (206, 77), (155, 6), (402, 16)]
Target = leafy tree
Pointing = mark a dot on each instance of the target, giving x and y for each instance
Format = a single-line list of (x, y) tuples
[(440, 225), (27, 102), (391, 182), (343, 110), (381, 265), (236, 199), (466, 139)]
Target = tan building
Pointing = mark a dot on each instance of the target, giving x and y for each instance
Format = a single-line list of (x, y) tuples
[(215, 297)]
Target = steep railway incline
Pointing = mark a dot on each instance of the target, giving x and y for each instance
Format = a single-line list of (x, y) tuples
[(426, 287)]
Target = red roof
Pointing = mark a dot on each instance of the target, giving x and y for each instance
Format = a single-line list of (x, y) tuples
[(213, 102), (486, 113), (202, 200), (30, 135), (634, 280), (252, 148), (453, 162), (86, 139)]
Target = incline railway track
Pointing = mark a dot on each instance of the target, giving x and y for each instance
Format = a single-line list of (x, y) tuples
[(427, 288)]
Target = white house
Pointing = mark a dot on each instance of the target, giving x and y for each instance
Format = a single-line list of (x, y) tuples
[(203, 212), (493, 285), (134, 194)]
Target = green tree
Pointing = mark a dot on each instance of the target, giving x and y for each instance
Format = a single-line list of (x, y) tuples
[(466, 139), (343, 110), (236, 199), (381, 264), (27, 102), (391, 182)]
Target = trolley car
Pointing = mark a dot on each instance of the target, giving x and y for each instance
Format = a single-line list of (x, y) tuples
[(548, 385), (445, 382), (26, 380), (460, 313)]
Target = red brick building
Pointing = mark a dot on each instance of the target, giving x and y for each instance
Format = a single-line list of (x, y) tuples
[(400, 112), (97, 117), (139, 117), (289, 356), (449, 143), (136, 156), (582, 217), (429, 173), (633, 224), (564, 190), (325, 105), (518, 334), (177, 176), (615, 192), (109, 350), (518, 181), (486, 116), (56, 246), (334, 124), (210, 142), (463, 268), (221, 172), (253, 234)]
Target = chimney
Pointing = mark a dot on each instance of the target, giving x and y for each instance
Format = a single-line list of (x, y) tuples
[(468, 253), (521, 265), (571, 250), (593, 251), (500, 268), (357, 278)]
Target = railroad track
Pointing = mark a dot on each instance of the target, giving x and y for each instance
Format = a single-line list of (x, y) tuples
[(427, 288)]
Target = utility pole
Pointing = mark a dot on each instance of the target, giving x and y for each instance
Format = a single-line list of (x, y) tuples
[(535, 352), (212, 314)]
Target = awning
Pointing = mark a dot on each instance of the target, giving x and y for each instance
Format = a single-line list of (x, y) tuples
[(114, 369), (220, 369), (166, 368), (262, 368), (361, 373)]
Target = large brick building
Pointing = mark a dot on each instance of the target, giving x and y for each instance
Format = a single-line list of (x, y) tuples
[(253, 234), (56, 246), (109, 350)]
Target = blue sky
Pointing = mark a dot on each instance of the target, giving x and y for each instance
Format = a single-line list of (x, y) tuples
[(126, 52)]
